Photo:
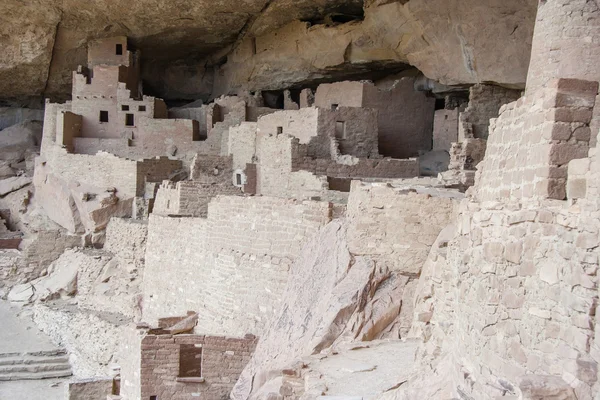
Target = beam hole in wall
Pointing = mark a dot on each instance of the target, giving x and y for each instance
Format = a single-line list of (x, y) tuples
[(142, 108), (129, 120), (190, 361), (124, 108), (103, 116), (119, 49)]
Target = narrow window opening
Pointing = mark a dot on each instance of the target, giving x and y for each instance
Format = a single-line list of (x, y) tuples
[(340, 130), (190, 361), (129, 120), (124, 108), (238, 179), (89, 77), (253, 46), (119, 49), (334, 107), (142, 108), (279, 130), (103, 116)]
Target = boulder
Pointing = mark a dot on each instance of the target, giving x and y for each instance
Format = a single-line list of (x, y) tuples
[(14, 183), (21, 293)]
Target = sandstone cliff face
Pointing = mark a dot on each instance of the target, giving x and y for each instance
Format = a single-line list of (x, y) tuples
[(455, 42)]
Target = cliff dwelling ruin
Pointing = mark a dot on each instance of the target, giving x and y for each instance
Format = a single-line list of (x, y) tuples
[(297, 200)]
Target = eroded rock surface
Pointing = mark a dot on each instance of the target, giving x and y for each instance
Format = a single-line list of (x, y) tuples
[(455, 42)]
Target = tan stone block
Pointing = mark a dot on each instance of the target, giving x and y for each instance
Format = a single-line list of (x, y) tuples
[(576, 188), (562, 153), (587, 241), (493, 251), (513, 252), (548, 273), (556, 130)]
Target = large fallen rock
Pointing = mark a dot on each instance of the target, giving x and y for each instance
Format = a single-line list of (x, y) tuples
[(14, 183), (77, 206), (17, 140), (331, 298)]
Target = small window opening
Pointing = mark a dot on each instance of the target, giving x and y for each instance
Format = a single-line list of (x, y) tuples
[(103, 116), (190, 361), (340, 130), (153, 397), (129, 120), (279, 130), (124, 108), (142, 108), (89, 77), (238, 179), (334, 107), (253, 46), (446, 117), (119, 49)]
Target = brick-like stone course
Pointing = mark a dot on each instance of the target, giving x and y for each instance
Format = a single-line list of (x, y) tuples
[(533, 140), (223, 360), (232, 266)]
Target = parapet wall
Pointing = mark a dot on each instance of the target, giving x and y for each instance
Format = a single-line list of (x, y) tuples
[(232, 266), (189, 198)]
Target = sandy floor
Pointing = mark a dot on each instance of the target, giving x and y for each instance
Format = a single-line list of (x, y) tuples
[(19, 335), (45, 389)]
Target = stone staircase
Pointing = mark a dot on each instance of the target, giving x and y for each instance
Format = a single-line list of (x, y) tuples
[(34, 365)]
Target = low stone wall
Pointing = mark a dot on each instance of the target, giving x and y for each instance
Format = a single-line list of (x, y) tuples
[(222, 361), (189, 198)]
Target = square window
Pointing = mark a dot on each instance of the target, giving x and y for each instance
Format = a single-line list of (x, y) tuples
[(129, 120), (119, 49), (103, 116), (124, 108), (142, 108), (279, 130), (190, 361), (334, 107)]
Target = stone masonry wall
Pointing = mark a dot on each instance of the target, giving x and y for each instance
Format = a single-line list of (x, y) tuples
[(190, 198), (445, 129), (231, 267), (509, 307), (542, 132), (394, 226), (222, 361), (484, 104)]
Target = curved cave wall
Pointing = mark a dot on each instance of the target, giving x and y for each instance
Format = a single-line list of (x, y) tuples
[(201, 50)]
